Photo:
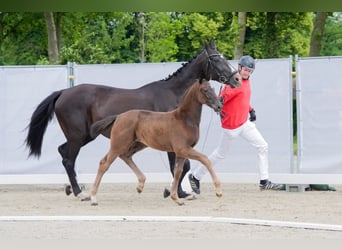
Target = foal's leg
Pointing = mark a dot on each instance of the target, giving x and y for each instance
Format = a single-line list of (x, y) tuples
[(140, 176), (106, 161), (195, 155), (179, 163), (186, 167)]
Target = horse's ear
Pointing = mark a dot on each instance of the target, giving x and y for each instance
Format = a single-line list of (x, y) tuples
[(212, 44), (206, 45), (202, 80)]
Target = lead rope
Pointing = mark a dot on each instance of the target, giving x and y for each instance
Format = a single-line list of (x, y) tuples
[(211, 118)]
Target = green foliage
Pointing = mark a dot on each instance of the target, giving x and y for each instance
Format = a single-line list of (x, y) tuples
[(121, 37), (332, 39), (23, 38), (94, 37), (161, 32), (278, 34)]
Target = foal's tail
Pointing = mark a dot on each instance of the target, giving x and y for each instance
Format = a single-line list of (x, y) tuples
[(101, 125), (39, 122)]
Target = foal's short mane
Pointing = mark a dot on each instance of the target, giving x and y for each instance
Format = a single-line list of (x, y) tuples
[(181, 68)]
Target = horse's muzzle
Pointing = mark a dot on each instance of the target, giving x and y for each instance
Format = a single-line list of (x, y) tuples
[(218, 108)]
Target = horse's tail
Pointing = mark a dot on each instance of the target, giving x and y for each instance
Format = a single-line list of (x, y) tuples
[(39, 122), (97, 127)]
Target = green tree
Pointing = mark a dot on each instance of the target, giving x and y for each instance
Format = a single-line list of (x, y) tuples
[(317, 33), (278, 34), (161, 32), (332, 38), (23, 38), (198, 28), (53, 48), (95, 37)]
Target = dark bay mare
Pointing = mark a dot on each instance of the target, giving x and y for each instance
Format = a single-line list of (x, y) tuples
[(77, 108), (174, 131)]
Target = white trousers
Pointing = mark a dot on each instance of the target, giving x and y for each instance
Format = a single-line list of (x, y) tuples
[(251, 134)]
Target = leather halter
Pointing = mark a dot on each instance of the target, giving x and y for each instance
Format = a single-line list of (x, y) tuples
[(222, 78)]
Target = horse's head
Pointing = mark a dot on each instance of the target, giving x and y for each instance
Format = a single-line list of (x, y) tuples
[(219, 69), (208, 96)]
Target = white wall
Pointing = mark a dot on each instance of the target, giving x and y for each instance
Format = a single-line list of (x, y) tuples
[(319, 102), (23, 88)]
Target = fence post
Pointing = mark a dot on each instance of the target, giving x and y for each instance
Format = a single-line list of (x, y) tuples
[(71, 75)]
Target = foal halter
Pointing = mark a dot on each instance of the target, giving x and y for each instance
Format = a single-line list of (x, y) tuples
[(222, 78)]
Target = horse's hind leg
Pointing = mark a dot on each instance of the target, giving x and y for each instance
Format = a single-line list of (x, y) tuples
[(140, 176), (69, 156), (105, 162)]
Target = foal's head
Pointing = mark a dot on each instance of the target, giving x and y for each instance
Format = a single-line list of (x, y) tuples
[(207, 95)]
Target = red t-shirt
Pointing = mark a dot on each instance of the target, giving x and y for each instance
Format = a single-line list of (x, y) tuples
[(236, 105)]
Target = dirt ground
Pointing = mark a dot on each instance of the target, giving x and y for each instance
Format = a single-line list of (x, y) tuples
[(243, 201)]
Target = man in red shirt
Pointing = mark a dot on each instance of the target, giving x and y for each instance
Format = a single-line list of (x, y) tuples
[(234, 120)]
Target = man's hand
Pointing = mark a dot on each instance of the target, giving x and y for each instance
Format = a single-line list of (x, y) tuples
[(252, 116)]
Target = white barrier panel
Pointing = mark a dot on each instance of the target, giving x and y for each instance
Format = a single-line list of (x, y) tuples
[(319, 102), (22, 89), (271, 98)]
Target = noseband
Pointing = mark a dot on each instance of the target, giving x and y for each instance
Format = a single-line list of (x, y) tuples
[(222, 78)]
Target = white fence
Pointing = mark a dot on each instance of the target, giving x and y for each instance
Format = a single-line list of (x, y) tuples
[(23, 88), (319, 107)]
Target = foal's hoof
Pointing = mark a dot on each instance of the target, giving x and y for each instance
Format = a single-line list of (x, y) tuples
[(179, 202), (83, 197), (93, 201), (219, 195)]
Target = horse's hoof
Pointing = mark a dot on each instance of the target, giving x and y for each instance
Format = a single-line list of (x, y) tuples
[(139, 190), (83, 197), (166, 193), (93, 201), (219, 195), (180, 203), (190, 197), (67, 189)]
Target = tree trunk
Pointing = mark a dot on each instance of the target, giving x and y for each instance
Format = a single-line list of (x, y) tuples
[(317, 33), (59, 16), (141, 21), (52, 38), (272, 46), (238, 52)]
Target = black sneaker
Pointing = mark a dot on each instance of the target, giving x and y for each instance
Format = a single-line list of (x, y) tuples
[(181, 194), (268, 185), (195, 184)]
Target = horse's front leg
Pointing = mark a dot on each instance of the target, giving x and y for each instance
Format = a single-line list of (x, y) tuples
[(195, 155), (177, 175), (103, 167)]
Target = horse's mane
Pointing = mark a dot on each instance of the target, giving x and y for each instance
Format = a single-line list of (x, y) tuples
[(181, 68)]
